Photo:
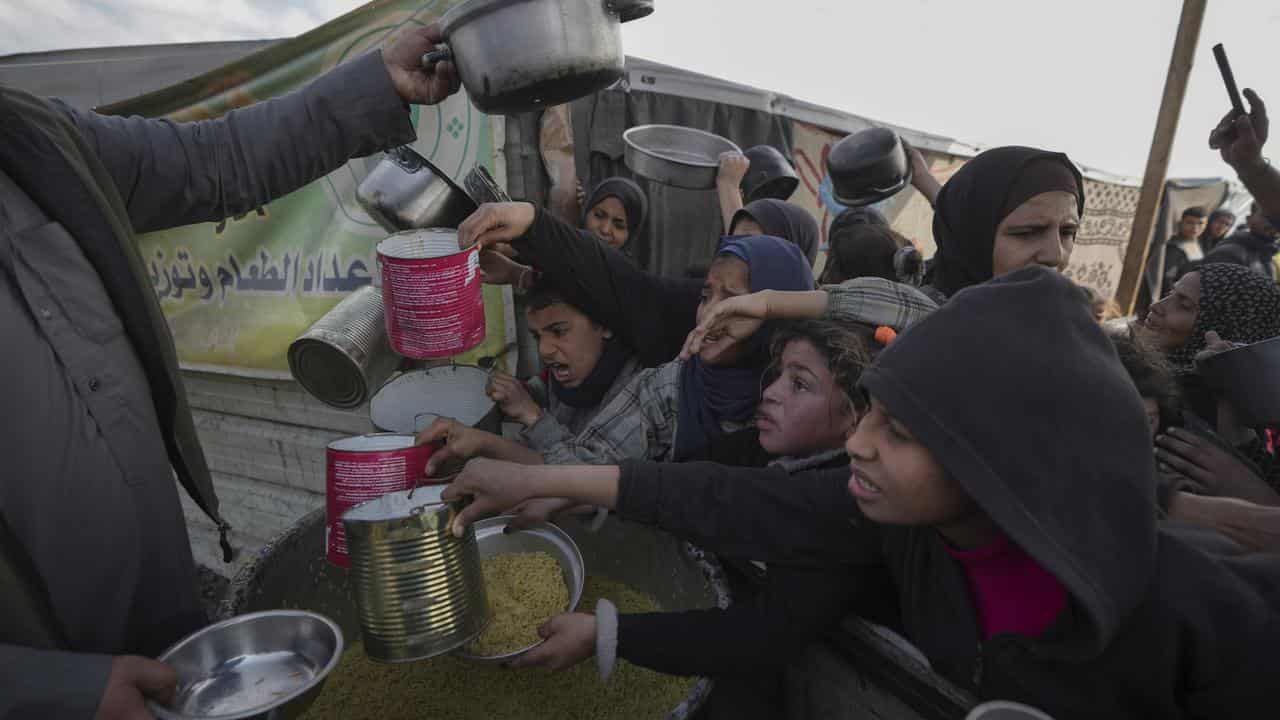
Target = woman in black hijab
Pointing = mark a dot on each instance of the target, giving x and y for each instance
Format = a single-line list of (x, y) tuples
[(615, 211), (779, 219), (1007, 208)]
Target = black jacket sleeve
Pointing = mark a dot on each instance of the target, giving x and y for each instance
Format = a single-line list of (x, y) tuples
[(650, 314), (795, 607), (806, 518)]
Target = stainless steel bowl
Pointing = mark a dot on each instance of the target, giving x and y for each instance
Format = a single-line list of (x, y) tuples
[(544, 537), (404, 191), (266, 665), (674, 155)]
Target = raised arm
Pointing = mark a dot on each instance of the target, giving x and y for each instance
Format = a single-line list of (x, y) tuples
[(1240, 139), (172, 173)]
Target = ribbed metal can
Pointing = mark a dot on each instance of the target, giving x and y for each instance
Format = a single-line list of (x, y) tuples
[(420, 590), (345, 354)]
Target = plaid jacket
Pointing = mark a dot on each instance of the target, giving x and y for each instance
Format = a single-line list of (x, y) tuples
[(639, 423), (876, 301)]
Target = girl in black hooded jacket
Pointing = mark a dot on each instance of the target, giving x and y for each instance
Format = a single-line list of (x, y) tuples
[(977, 478)]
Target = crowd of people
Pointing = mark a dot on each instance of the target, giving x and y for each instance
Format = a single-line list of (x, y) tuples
[(1046, 501)]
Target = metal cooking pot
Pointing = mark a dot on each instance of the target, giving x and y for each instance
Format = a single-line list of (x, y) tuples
[(867, 167), (518, 55), (770, 175), (405, 192), (674, 155)]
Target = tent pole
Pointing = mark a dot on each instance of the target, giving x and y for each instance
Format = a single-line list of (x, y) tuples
[(1175, 89)]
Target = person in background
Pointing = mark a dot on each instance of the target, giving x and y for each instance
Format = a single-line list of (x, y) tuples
[(1220, 223), (1196, 492), (779, 219), (615, 212), (859, 249), (97, 567), (1007, 208), (1000, 528), (1182, 251), (1254, 247), (1215, 303)]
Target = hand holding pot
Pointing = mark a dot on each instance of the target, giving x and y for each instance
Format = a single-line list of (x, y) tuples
[(494, 487), (458, 443), (511, 395), (403, 59)]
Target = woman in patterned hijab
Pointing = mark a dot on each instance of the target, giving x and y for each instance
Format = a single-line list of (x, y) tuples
[(1235, 302)]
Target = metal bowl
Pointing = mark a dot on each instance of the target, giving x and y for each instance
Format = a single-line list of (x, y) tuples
[(868, 166), (674, 155), (266, 665), (544, 537), (404, 191)]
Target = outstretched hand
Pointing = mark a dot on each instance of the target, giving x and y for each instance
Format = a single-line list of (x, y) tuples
[(493, 485), (494, 225), (726, 324), (403, 58)]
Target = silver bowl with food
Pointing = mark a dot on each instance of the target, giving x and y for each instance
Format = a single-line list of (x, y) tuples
[(542, 539)]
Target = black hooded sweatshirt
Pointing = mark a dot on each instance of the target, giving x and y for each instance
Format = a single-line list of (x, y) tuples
[(1048, 437)]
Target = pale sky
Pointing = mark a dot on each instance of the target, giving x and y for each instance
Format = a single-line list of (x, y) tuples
[(1080, 76)]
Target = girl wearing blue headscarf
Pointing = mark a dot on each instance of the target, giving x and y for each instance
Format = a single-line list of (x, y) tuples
[(673, 411)]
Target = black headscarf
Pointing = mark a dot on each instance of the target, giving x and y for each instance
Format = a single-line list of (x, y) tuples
[(1053, 447), (1235, 302), (779, 218), (710, 394), (633, 200), (978, 197), (862, 250)]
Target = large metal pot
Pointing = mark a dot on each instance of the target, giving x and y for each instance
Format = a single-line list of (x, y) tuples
[(519, 55), (868, 166), (291, 572)]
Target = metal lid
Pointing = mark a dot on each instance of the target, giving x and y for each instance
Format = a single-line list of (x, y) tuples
[(456, 391)]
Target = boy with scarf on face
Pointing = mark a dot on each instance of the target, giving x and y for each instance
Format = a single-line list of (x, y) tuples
[(1013, 509), (585, 367)]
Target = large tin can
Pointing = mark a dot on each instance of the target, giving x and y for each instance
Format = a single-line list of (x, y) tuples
[(345, 355), (420, 590), (364, 467)]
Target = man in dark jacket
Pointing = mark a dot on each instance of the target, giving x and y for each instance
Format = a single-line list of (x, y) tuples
[(96, 572), (1254, 247)]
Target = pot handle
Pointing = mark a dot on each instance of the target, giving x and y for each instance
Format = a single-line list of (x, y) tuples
[(442, 53), (629, 10)]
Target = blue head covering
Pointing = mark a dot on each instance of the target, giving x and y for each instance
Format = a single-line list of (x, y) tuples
[(710, 395)]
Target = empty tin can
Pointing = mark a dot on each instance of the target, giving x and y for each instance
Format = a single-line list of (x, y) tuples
[(420, 590), (345, 354)]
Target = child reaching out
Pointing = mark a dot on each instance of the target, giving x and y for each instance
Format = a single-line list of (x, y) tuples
[(1004, 478)]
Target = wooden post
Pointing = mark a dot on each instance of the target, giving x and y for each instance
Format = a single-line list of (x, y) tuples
[(1175, 89)]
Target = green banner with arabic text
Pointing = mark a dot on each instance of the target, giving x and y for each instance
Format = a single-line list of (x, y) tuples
[(237, 293)]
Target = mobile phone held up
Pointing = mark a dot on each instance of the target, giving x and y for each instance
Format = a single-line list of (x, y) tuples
[(1228, 79)]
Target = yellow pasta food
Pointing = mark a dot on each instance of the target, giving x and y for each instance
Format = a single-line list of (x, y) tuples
[(525, 590), (451, 688)]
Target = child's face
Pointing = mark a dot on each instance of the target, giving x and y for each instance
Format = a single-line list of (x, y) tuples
[(569, 344), (804, 411), (896, 480), (608, 222), (727, 277)]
